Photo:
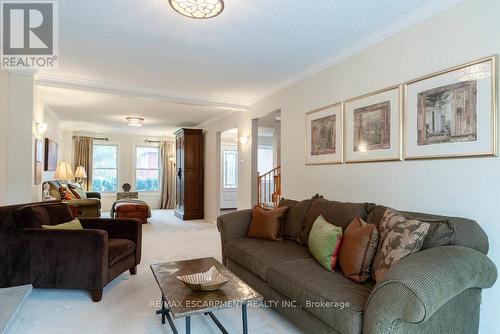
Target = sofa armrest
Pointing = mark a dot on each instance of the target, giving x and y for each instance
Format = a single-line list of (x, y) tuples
[(120, 228), (233, 225), (68, 258), (418, 285), (93, 194)]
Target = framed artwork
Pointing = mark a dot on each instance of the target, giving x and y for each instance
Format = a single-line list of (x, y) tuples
[(324, 135), (50, 155), (373, 126), (38, 150), (452, 113)]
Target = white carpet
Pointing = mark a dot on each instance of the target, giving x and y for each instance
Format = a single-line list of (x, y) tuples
[(126, 306)]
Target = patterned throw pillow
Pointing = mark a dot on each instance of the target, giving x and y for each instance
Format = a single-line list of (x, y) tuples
[(324, 242), (359, 245), (398, 238)]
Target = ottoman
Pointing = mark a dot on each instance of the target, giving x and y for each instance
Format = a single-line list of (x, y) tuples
[(128, 208)]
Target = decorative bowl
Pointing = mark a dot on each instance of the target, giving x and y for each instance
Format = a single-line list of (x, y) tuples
[(210, 280)]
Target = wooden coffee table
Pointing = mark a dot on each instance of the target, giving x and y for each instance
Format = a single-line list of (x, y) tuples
[(182, 302)]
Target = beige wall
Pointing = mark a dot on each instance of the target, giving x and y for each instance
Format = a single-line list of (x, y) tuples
[(462, 187)]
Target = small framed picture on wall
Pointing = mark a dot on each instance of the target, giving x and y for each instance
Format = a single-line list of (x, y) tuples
[(373, 126), (452, 113), (323, 139)]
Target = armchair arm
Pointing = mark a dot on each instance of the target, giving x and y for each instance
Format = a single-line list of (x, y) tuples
[(93, 194), (417, 286), (233, 225), (121, 228), (68, 258)]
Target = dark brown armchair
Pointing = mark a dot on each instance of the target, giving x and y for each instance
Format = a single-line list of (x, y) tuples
[(68, 259)]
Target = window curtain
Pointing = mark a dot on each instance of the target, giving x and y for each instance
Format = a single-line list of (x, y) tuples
[(168, 175), (83, 157)]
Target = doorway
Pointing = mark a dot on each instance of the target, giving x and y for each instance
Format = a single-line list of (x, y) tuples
[(267, 152), (229, 171)]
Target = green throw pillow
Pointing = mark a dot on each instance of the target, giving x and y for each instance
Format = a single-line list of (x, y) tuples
[(72, 225), (324, 243)]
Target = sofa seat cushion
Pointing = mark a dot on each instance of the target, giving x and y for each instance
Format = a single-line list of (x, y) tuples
[(118, 249), (313, 287), (258, 255)]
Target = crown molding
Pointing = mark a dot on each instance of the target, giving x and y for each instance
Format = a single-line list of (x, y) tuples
[(214, 119), (137, 92), (396, 27)]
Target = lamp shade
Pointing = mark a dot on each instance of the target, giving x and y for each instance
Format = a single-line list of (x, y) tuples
[(63, 171), (80, 172)]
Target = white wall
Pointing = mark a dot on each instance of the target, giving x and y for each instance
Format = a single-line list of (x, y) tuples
[(4, 118), (459, 187), (126, 165), (23, 111)]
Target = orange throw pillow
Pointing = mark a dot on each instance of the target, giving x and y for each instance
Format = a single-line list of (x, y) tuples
[(358, 249), (267, 224)]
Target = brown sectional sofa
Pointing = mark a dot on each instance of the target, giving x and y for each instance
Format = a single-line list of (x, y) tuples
[(436, 290)]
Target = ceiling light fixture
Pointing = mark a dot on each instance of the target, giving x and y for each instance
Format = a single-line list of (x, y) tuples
[(198, 9), (135, 121)]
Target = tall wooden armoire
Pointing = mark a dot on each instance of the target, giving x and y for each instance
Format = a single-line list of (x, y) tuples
[(189, 180)]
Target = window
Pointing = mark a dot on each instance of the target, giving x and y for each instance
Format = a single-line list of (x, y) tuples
[(230, 169), (147, 173), (265, 157), (104, 171)]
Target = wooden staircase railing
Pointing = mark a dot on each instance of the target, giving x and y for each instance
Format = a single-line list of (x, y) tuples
[(269, 188)]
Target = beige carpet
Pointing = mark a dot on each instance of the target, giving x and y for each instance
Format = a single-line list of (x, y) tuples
[(126, 306)]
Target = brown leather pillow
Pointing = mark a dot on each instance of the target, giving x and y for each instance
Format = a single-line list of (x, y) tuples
[(267, 224), (359, 246)]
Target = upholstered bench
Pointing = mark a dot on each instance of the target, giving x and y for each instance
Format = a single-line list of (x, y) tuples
[(130, 208)]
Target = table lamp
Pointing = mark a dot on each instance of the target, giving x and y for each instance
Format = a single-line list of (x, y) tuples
[(63, 171), (80, 174)]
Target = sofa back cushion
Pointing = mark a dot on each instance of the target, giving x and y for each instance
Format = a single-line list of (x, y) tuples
[(296, 217), (443, 230), (38, 214), (338, 213)]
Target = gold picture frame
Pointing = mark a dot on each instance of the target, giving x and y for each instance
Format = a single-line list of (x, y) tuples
[(395, 152), (492, 151), (334, 109)]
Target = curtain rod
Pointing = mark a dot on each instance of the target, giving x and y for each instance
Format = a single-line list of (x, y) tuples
[(147, 141), (96, 138)]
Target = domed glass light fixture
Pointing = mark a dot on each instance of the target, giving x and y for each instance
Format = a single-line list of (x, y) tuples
[(198, 9)]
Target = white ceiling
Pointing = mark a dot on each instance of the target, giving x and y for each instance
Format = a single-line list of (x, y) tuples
[(249, 51), (107, 113)]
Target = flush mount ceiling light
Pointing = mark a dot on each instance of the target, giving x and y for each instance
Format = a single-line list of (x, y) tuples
[(198, 9), (135, 121)]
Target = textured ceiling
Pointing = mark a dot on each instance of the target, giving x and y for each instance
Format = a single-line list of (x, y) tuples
[(240, 55), (250, 50), (107, 113)]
